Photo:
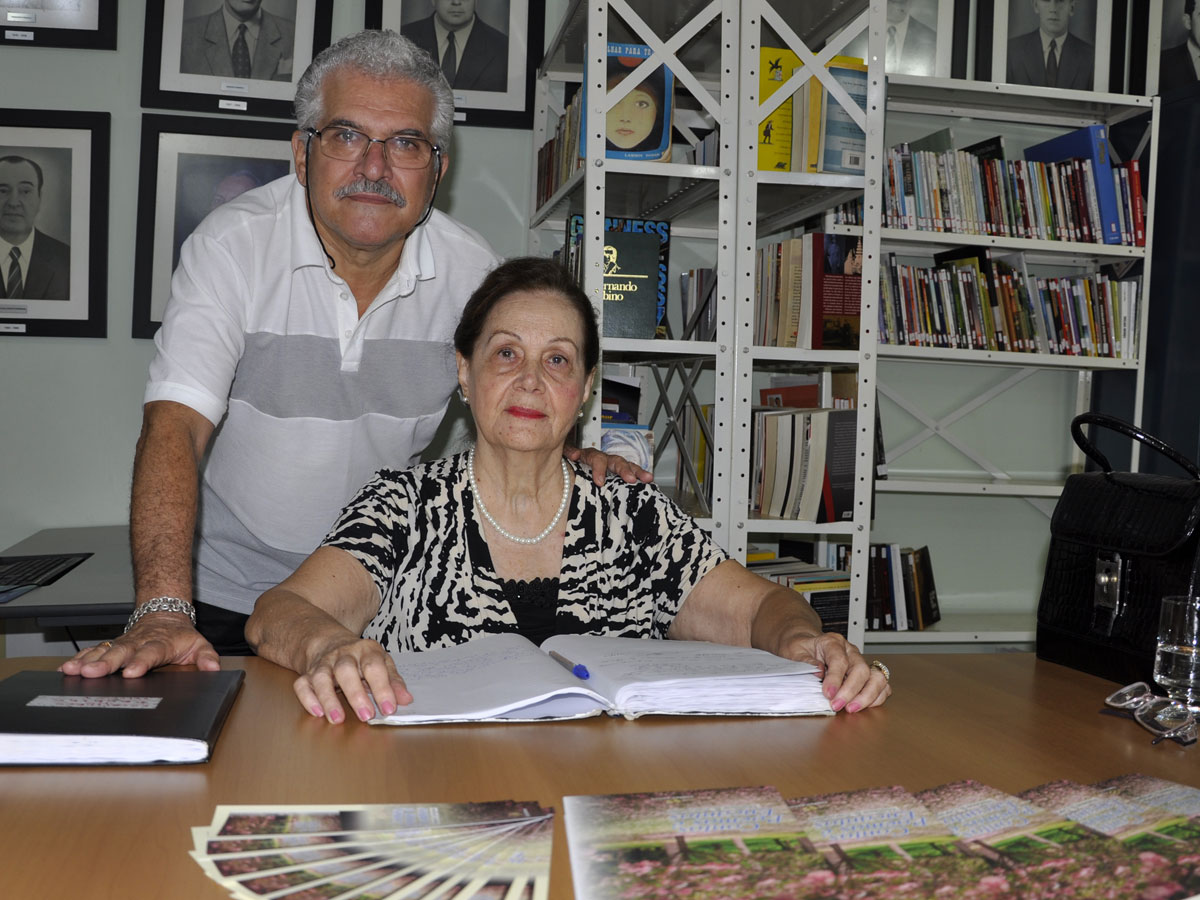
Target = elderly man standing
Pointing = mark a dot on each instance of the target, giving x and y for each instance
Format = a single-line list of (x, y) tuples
[(309, 318)]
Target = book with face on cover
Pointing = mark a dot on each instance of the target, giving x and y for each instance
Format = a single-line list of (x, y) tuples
[(702, 845), (47, 718), (506, 677)]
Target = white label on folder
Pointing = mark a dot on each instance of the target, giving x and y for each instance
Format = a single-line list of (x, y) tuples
[(222, 103), (62, 702)]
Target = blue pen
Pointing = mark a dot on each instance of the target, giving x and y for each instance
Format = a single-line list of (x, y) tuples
[(579, 671)]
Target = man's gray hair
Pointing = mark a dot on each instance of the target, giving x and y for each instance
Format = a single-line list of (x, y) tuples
[(380, 54)]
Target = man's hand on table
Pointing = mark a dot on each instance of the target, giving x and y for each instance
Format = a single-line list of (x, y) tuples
[(158, 639)]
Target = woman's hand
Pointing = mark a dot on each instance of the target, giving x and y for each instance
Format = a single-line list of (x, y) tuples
[(731, 605), (359, 669), (847, 681)]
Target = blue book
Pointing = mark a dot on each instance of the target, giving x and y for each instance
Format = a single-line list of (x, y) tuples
[(1089, 142)]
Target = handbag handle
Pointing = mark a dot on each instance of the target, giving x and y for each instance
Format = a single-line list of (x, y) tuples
[(1131, 431)]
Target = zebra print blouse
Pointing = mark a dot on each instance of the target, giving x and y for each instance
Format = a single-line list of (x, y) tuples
[(630, 557)]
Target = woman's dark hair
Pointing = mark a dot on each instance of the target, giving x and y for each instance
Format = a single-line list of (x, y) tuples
[(527, 273)]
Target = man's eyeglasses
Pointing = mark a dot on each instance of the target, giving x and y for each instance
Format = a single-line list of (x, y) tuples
[(1144, 705), (402, 151)]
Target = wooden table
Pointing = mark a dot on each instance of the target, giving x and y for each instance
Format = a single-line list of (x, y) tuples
[(1008, 720)]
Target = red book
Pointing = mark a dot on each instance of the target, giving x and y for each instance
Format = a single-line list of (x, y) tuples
[(1139, 208)]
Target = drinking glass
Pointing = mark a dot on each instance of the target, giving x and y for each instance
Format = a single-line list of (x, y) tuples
[(1177, 658)]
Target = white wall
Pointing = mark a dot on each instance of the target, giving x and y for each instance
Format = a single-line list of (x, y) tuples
[(71, 407)]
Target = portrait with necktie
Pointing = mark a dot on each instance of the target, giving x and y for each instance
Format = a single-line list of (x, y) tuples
[(33, 265), (240, 39), (1057, 52), (473, 55)]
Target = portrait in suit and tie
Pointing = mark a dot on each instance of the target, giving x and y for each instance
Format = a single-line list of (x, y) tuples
[(33, 264), (911, 43), (1179, 64), (1059, 50), (240, 39), (473, 53)]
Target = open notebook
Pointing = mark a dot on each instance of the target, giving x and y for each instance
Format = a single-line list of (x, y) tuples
[(507, 677)]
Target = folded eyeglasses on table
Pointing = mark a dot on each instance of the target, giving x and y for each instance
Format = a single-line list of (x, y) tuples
[(1144, 706)]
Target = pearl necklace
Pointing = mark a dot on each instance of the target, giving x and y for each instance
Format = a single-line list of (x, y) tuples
[(562, 504)]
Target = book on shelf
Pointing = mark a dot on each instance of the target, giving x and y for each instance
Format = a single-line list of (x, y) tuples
[(636, 261), (806, 394), (1089, 144), (901, 595), (831, 295), (630, 284), (638, 126), (694, 462), (47, 718), (832, 605), (698, 296), (506, 677), (775, 132), (840, 141), (804, 463)]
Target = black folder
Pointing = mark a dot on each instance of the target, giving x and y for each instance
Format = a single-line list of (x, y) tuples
[(47, 718)]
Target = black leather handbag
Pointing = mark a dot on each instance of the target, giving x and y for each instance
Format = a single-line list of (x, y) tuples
[(1119, 543)]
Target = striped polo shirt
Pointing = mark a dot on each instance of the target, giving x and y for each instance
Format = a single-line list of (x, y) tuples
[(262, 338)]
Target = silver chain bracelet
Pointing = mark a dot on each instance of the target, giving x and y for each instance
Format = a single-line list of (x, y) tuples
[(162, 604)]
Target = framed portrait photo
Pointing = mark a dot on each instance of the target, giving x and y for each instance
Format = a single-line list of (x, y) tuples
[(921, 38), (231, 56), (53, 222), (1057, 44), (189, 167), (89, 24), (489, 50), (1173, 65)]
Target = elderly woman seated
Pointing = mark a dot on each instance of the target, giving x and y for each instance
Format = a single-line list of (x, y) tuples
[(511, 537)]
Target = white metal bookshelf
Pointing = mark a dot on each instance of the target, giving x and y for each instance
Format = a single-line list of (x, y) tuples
[(712, 50), (730, 208), (999, 108)]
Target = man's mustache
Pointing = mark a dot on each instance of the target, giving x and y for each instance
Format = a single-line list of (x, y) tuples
[(362, 185)]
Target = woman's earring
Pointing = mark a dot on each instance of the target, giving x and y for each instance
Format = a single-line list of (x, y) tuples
[(580, 416), (463, 397)]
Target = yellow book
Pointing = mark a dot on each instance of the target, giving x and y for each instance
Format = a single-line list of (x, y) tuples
[(775, 131)]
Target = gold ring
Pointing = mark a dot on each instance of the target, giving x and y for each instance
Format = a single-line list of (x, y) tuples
[(105, 644), (887, 673)]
